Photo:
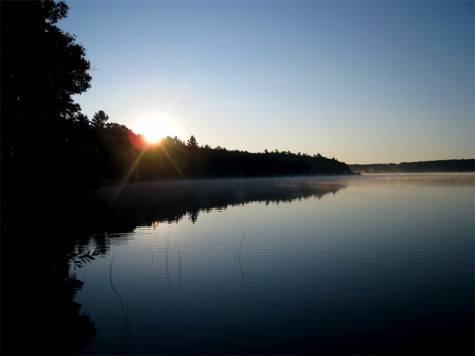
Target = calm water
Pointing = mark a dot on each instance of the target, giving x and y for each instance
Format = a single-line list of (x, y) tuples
[(378, 264)]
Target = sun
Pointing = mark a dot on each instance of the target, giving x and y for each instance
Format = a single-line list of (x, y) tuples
[(154, 128), (152, 136)]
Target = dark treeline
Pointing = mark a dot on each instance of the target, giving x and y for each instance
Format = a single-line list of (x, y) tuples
[(175, 159), (47, 139), (453, 165), (77, 152)]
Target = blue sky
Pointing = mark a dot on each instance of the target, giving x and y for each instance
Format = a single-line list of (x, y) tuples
[(361, 81)]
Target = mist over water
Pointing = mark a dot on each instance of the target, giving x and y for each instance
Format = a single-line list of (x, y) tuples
[(379, 264)]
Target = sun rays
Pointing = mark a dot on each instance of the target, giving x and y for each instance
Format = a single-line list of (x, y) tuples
[(154, 127)]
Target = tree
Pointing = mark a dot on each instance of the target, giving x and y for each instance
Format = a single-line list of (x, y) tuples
[(47, 68), (99, 119), (42, 68), (192, 142), (81, 119)]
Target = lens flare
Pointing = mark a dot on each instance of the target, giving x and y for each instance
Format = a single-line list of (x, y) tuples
[(154, 128)]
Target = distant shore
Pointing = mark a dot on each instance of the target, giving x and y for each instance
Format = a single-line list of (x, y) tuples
[(452, 165)]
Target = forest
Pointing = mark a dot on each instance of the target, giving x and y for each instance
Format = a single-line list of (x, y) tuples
[(45, 135), (451, 165), (52, 154)]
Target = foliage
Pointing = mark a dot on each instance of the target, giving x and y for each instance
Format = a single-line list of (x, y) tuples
[(42, 65), (173, 159), (45, 134), (99, 119), (43, 131), (79, 259), (192, 142)]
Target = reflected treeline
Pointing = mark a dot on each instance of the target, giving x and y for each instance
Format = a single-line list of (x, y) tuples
[(40, 244), (39, 314), (131, 205)]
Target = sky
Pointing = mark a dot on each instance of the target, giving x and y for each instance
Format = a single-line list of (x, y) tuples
[(361, 81)]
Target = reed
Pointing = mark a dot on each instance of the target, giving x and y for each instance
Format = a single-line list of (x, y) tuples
[(179, 265), (115, 329), (239, 258), (124, 313), (167, 248)]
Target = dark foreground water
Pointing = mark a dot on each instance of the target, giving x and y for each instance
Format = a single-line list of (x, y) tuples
[(379, 264)]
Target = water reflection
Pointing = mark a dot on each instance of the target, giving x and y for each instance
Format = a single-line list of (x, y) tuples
[(145, 203), (39, 313), (118, 211), (385, 268), (153, 203), (418, 239)]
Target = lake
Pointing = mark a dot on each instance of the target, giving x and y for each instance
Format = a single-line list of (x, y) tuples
[(373, 264)]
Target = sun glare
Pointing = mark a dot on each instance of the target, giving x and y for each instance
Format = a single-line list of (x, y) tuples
[(154, 128), (152, 137)]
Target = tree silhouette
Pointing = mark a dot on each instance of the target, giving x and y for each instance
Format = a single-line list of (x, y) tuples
[(42, 68), (192, 142), (99, 119), (47, 68), (44, 139), (44, 136)]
